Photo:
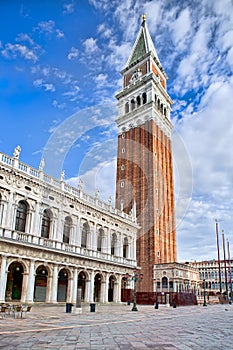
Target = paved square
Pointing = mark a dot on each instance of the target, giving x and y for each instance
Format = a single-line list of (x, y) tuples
[(117, 327)]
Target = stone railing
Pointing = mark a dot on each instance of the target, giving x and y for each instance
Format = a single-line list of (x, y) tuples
[(63, 247), (40, 175)]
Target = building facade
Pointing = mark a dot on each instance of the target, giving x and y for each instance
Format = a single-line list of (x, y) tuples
[(144, 182), (210, 278), (176, 277), (55, 239)]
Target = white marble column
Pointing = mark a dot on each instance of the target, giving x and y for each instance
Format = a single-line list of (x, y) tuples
[(106, 287), (12, 219), (94, 238), (29, 222), (69, 289), (24, 287), (3, 278), (116, 292), (54, 278), (75, 285), (91, 286), (31, 282), (102, 291), (3, 213), (37, 221), (78, 233), (133, 251), (118, 289), (11, 211), (120, 244), (108, 241)]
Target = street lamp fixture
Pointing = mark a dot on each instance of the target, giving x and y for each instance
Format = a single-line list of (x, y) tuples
[(136, 277)]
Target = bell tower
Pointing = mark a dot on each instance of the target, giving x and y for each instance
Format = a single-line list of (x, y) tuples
[(144, 162)]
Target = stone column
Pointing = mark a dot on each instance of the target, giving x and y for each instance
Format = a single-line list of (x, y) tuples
[(116, 292), (11, 211), (37, 221), (54, 279), (31, 283), (120, 245), (3, 213), (106, 287), (50, 288), (102, 291), (3, 278), (94, 238), (75, 286), (28, 226), (91, 287), (78, 233), (69, 289), (108, 242), (12, 219), (118, 289), (59, 227), (24, 287)]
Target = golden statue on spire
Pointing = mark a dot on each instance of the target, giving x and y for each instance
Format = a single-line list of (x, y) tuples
[(144, 17)]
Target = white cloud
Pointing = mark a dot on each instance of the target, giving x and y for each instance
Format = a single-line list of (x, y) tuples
[(25, 37), (59, 34), (90, 45), (39, 83), (15, 50), (104, 31), (49, 28), (209, 139), (73, 93), (58, 105), (181, 27), (101, 79), (73, 54), (68, 8)]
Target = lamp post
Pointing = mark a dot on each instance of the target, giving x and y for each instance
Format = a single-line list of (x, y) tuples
[(135, 277), (204, 304)]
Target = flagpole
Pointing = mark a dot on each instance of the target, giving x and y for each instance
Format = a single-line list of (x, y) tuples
[(225, 264), (219, 262), (229, 264)]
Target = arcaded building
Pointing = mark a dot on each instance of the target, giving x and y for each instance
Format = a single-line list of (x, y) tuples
[(54, 239)]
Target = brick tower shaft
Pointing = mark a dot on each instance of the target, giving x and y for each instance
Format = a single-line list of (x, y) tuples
[(144, 161)]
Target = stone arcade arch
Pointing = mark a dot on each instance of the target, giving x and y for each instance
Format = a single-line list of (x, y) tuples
[(62, 285), (41, 282), (14, 282), (82, 277), (111, 288), (97, 287)]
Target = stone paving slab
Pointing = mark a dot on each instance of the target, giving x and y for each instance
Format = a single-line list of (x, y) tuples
[(117, 327)]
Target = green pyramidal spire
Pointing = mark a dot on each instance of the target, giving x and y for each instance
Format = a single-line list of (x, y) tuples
[(143, 44)]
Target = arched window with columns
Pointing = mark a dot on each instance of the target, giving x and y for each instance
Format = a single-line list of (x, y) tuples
[(67, 229), (125, 248), (100, 239), (138, 101), (127, 107), (21, 216), (113, 243), (85, 230), (46, 223), (133, 105), (144, 98)]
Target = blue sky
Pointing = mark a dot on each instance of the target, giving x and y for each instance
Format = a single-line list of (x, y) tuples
[(60, 64)]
